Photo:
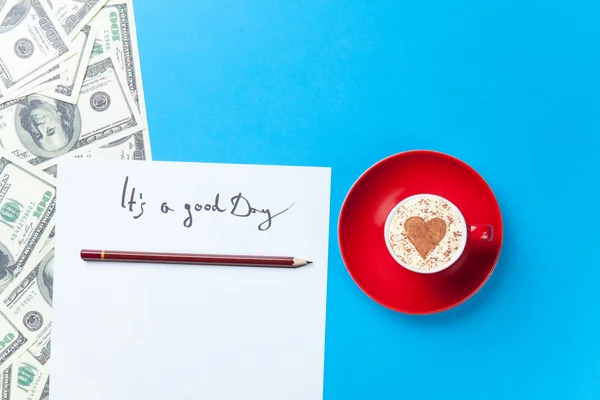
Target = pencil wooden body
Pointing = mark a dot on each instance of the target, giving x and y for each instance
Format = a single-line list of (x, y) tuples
[(198, 259)]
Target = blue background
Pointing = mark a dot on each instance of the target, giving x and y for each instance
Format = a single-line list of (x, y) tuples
[(511, 87)]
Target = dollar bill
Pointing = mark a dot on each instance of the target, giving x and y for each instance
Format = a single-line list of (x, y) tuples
[(73, 15), (51, 78), (70, 86), (27, 303), (68, 91), (12, 342), (38, 84), (27, 207), (32, 44), (130, 148), (23, 380), (42, 84), (117, 34), (39, 129)]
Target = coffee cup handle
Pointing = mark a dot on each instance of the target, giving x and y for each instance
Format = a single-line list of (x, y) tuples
[(481, 232)]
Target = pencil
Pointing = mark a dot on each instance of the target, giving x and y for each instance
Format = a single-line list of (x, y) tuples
[(198, 259)]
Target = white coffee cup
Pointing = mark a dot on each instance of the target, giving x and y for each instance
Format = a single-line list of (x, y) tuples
[(466, 232)]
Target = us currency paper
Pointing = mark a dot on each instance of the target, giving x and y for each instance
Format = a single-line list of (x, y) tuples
[(68, 90), (27, 206), (42, 83), (117, 35), (39, 129), (23, 380), (70, 86), (12, 343), (130, 148), (50, 78), (73, 15), (27, 303), (32, 42)]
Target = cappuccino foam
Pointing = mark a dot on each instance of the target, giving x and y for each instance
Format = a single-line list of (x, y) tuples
[(426, 233)]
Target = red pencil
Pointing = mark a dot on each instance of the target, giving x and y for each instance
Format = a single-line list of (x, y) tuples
[(199, 259)]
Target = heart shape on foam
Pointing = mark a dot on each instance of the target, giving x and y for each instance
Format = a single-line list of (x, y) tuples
[(425, 236)]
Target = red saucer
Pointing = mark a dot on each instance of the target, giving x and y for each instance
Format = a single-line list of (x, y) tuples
[(361, 227)]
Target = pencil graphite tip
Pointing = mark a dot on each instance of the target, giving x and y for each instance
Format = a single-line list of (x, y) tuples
[(298, 262)]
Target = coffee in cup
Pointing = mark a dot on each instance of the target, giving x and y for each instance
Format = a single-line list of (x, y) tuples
[(427, 233)]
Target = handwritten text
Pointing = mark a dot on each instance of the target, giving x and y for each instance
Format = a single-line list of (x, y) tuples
[(134, 202)]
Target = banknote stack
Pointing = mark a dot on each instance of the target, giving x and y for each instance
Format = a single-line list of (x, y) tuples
[(70, 86)]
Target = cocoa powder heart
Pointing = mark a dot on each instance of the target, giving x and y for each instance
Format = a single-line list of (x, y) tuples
[(425, 236)]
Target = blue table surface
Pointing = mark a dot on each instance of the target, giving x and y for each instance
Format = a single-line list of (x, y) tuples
[(511, 87)]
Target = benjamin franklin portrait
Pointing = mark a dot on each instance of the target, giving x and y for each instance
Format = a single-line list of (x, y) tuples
[(47, 127)]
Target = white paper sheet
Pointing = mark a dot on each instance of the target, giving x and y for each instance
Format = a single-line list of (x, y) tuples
[(170, 332)]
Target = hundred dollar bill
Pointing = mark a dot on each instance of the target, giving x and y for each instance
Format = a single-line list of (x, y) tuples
[(27, 208), (68, 91), (51, 78), (73, 15), (39, 129), (38, 84), (117, 35), (32, 42), (23, 380), (12, 342), (130, 148), (27, 303)]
